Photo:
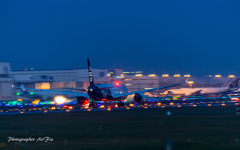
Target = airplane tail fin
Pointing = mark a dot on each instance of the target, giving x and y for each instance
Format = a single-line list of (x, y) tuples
[(90, 73), (22, 88), (231, 83)]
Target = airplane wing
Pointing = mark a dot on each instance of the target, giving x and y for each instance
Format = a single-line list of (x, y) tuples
[(130, 93), (60, 92)]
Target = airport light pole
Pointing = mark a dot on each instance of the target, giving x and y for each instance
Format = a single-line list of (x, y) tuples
[(208, 78), (190, 83), (138, 75), (151, 75), (218, 76), (177, 77), (165, 77), (187, 76), (110, 78)]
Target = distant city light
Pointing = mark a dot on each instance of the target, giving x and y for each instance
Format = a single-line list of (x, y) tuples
[(108, 75), (209, 76), (151, 75), (127, 79), (128, 84), (190, 82), (165, 75), (138, 75), (177, 75), (218, 76), (231, 76), (187, 75)]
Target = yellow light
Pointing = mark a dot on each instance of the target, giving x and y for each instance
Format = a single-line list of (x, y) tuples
[(236, 103), (231, 76), (187, 75), (67, 110), (127, 107), (45, 111), (86, 107), (131, 105), (171, 103), (179, 106), (60, 99), (177, 75), (223, 104), (122, 75), (209, 104), (108, 75), (53, 108), (163, 106), (145, 107), (190, 82), (194, 105), (89, 109), (102, 106), (45, 86), (151, 75), (128, 84), (138, 75), (35, 102), (70, 107), (19, 100), (116, 106), (108, 109), (218, 76), (165, 75), (21, 112), (159, 104)]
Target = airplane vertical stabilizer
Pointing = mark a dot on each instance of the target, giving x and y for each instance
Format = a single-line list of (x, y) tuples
[(231, 83), (90, 73)]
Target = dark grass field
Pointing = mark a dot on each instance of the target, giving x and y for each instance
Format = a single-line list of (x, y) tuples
[(187, 128)]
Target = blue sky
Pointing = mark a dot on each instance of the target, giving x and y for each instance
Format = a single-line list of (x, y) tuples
[(157, 36)]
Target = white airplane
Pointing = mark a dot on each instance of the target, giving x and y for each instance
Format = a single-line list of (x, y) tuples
[(230, 86)]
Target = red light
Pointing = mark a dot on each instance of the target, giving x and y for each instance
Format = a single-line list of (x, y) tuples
[(117, 83), (25, 69), (74, 69), (115, 69)]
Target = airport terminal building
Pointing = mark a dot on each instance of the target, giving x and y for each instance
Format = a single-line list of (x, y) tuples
[(78, 78)]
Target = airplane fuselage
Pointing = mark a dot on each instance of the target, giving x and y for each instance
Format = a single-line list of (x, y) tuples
[(196, 91), (102, 92)]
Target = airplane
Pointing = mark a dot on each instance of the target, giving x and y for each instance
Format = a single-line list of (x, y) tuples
[(230, 86), (39, 95), (105, 92)]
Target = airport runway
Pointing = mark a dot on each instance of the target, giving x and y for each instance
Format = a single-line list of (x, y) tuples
[(104, 107)]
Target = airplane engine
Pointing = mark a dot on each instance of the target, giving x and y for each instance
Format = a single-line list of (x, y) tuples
[(139, 97), (82, 100)]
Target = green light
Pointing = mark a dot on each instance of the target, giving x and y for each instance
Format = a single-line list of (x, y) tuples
[(18, 93), (116, 77), (31, 93)]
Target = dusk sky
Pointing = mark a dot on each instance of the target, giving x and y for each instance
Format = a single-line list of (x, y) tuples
[(162, 36)]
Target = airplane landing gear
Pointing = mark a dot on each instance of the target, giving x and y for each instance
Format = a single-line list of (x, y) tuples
[(92, 104), (120, 104)]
